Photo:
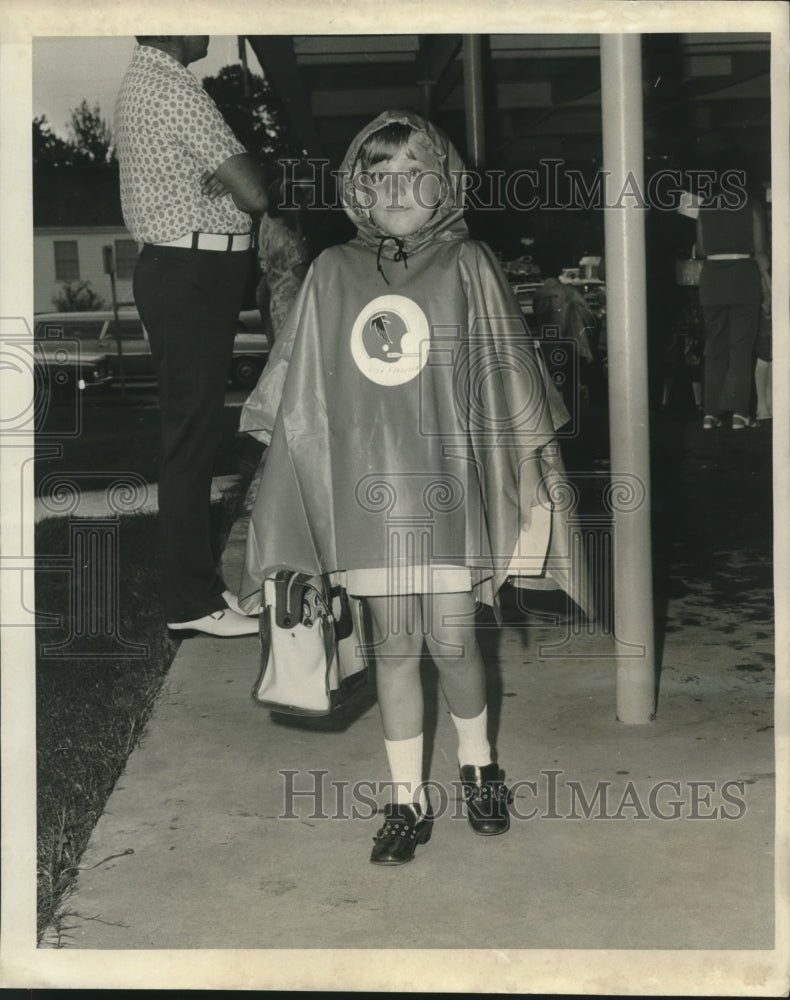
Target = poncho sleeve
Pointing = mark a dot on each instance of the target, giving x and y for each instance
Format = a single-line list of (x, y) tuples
[(514, 412), (496, 322)]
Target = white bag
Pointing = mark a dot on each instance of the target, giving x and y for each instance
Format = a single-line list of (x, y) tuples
[(312, 651)]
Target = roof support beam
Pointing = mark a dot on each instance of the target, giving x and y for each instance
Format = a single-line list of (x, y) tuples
[(473, 96), (277, 58), (437, 67)]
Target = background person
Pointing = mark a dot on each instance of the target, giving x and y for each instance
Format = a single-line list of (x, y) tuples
[(735, 279), (283, 254), (187, 188), (561, 314), (763, 368)]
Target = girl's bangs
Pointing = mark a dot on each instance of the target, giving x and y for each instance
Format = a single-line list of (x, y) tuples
[(384, 144)]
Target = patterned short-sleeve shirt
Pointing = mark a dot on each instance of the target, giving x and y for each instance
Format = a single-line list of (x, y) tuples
[(168, 132)]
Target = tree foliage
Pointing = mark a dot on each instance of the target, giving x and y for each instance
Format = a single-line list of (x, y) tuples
[(91, 135), (89, 140), (77, 296), (246, 101), (49, 148), (254, 112)]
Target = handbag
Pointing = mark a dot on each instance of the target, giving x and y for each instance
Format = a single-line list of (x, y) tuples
[(312, 653)]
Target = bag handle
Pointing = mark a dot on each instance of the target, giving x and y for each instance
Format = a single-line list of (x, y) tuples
[(289, 594), (300, 598), (344, 622)]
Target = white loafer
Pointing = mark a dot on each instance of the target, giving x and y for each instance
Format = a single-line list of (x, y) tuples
[(233, 603), (225, 623)]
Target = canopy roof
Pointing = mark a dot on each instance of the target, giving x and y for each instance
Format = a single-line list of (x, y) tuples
[(702, 92)]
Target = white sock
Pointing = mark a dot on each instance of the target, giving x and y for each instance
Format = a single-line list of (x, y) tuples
[(405, 761), (473, 745)]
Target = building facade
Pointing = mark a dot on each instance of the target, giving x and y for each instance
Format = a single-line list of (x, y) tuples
[(76, 213)]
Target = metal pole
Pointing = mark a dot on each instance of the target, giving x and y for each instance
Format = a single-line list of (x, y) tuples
[(245, 70), (473, 100), (624, 227), (426, 92), (109, 268), (118, 339)]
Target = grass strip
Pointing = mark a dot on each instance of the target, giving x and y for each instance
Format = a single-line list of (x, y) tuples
[(91, 711), (124, 438)]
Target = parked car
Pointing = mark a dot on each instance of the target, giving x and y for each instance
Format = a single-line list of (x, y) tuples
[(91, 349)]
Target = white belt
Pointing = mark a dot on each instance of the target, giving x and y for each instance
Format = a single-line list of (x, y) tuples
[(729, 256), (210, 241)]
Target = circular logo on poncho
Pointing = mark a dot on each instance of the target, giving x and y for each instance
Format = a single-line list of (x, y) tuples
[(390, 340)]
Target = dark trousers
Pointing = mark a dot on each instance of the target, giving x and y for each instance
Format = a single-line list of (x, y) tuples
[(730, 335), (189, 302)]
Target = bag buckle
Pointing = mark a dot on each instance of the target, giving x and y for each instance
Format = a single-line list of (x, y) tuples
[(297, 601)]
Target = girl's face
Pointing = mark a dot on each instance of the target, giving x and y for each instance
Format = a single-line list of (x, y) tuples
[(402, 193)]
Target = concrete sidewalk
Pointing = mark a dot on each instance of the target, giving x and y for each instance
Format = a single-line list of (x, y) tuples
[(202, 846)]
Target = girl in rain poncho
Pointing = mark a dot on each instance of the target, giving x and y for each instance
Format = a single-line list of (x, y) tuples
[(412, 453)]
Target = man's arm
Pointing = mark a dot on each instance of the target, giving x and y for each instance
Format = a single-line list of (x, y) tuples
[(242, 178)]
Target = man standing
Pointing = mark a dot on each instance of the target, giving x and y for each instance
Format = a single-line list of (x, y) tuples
[(187, 186)]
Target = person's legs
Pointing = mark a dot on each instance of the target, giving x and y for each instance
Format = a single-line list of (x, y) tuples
[(452, 642), (189, 303), (396, 631), (763, 368), (762, 381), (451, 639), (716, 356), (397, 635), (744, 319)]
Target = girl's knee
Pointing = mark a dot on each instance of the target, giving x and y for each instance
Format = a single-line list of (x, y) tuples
[(450, 632), (451, 646), (396, 624)]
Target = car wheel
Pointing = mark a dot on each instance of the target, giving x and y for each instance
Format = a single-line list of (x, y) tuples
[(246, 372)]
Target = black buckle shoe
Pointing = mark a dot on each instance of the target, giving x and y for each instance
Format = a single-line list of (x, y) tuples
[(405, 826), (487, 799)]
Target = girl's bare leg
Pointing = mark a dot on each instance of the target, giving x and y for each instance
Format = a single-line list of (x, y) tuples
[(452, 642), (397, 632), (449, 620), (397, 622)]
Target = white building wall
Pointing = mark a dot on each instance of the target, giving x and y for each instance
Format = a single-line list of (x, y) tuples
[(91, 264)]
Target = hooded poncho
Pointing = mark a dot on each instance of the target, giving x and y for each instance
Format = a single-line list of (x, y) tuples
[(409, 416)]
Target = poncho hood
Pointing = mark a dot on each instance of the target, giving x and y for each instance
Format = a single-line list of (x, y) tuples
[(446, 224)]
